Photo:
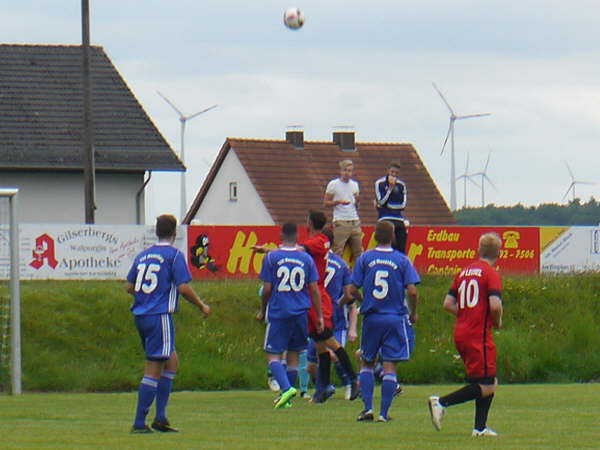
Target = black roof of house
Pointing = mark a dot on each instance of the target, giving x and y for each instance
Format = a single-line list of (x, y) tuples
[(41, 113)]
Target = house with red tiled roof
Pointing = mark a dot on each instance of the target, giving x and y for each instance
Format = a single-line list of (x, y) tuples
[(270, 182)]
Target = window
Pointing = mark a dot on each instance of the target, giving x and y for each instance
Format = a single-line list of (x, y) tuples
[(233, 191)]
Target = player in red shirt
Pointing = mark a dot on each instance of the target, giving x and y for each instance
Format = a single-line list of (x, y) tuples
[(317, 245), (475, 300)]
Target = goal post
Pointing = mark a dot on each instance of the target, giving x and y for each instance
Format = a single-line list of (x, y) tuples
[(9, 249)]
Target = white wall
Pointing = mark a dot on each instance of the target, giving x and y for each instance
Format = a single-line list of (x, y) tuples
[(217, 209), (58, 197)]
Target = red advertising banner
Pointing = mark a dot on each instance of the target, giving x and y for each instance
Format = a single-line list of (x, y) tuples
[(218, 252), (444, 250)]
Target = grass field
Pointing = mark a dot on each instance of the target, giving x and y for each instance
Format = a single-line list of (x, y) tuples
[(526, 416)]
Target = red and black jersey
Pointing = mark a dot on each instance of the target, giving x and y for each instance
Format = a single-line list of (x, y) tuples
[(472, 289), (318, 246)]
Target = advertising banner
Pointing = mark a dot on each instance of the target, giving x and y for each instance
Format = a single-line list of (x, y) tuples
[(216, 252), (226, 251), (445, 250), (82, 252), (570, 249)]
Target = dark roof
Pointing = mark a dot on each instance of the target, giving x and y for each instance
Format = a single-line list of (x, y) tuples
[(41, 113), (292, 181)]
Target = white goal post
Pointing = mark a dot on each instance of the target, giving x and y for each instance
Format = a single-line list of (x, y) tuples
[(11, 197)]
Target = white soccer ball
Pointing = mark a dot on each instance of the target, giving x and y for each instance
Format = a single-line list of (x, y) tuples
[(293, 18)]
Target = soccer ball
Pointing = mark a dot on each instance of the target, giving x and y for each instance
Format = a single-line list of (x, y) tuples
[(293, 18)]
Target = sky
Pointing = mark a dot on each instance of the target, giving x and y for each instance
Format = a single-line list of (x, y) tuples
[(534, 65)]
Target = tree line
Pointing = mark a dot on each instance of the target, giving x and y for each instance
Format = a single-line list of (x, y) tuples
[(574, 213)]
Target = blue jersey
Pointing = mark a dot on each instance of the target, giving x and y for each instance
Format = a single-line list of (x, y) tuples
[(337, 275), (383, 273), (289, 271), (155, 274)]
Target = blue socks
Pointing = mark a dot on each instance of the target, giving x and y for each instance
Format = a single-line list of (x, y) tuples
[(292, 374), (280, 375), (165, 385), (388, 387), (367, 386), (146, 394)]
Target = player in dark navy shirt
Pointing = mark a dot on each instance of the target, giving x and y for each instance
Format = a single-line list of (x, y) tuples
[(156, 278), (384, 274), (390, 201)]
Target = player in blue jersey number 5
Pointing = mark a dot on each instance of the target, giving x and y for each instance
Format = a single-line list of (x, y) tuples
[(384, 274), (157, 277)]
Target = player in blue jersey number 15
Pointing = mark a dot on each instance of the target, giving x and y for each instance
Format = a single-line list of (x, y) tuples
[(157, 277)]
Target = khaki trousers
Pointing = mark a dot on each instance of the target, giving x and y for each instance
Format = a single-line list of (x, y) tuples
[(347, 231)]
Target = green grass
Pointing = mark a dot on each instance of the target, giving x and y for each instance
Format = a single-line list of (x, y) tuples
[(79, 336), (526, 416)]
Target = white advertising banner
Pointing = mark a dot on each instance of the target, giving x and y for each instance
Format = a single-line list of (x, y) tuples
[(572, 249), (83, 252)]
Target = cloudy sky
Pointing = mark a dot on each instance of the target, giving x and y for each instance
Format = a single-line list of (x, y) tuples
[(533, 64)]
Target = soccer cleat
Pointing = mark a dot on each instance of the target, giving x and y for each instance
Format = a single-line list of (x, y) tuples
[(398, 390), (322, 396), (384, 419), (354, 390), (273, 384), (145, 430), (305, 395), (163, 426), (436, 411), (366, 415), (484, 432), (285, 397)]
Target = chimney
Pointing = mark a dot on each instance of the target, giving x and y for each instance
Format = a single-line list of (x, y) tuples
[(295, 136), (344, 137)]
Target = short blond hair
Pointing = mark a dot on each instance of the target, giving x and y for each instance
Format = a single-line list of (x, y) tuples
[(489, 246), (345, 163)]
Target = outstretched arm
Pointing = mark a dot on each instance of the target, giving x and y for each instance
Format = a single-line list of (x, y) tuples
[(188, 293)]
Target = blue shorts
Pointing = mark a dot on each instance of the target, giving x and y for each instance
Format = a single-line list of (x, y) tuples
[(341, 335), (286, 334), (157, 334), (389, 335)]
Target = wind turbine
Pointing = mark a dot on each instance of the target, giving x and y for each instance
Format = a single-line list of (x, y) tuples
[(573, 183), (483, 175), (466, 176), (183, 119), (453, 117)]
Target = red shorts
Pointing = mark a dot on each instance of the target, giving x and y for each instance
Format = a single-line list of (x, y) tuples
[(326, 308), (478, 355)]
